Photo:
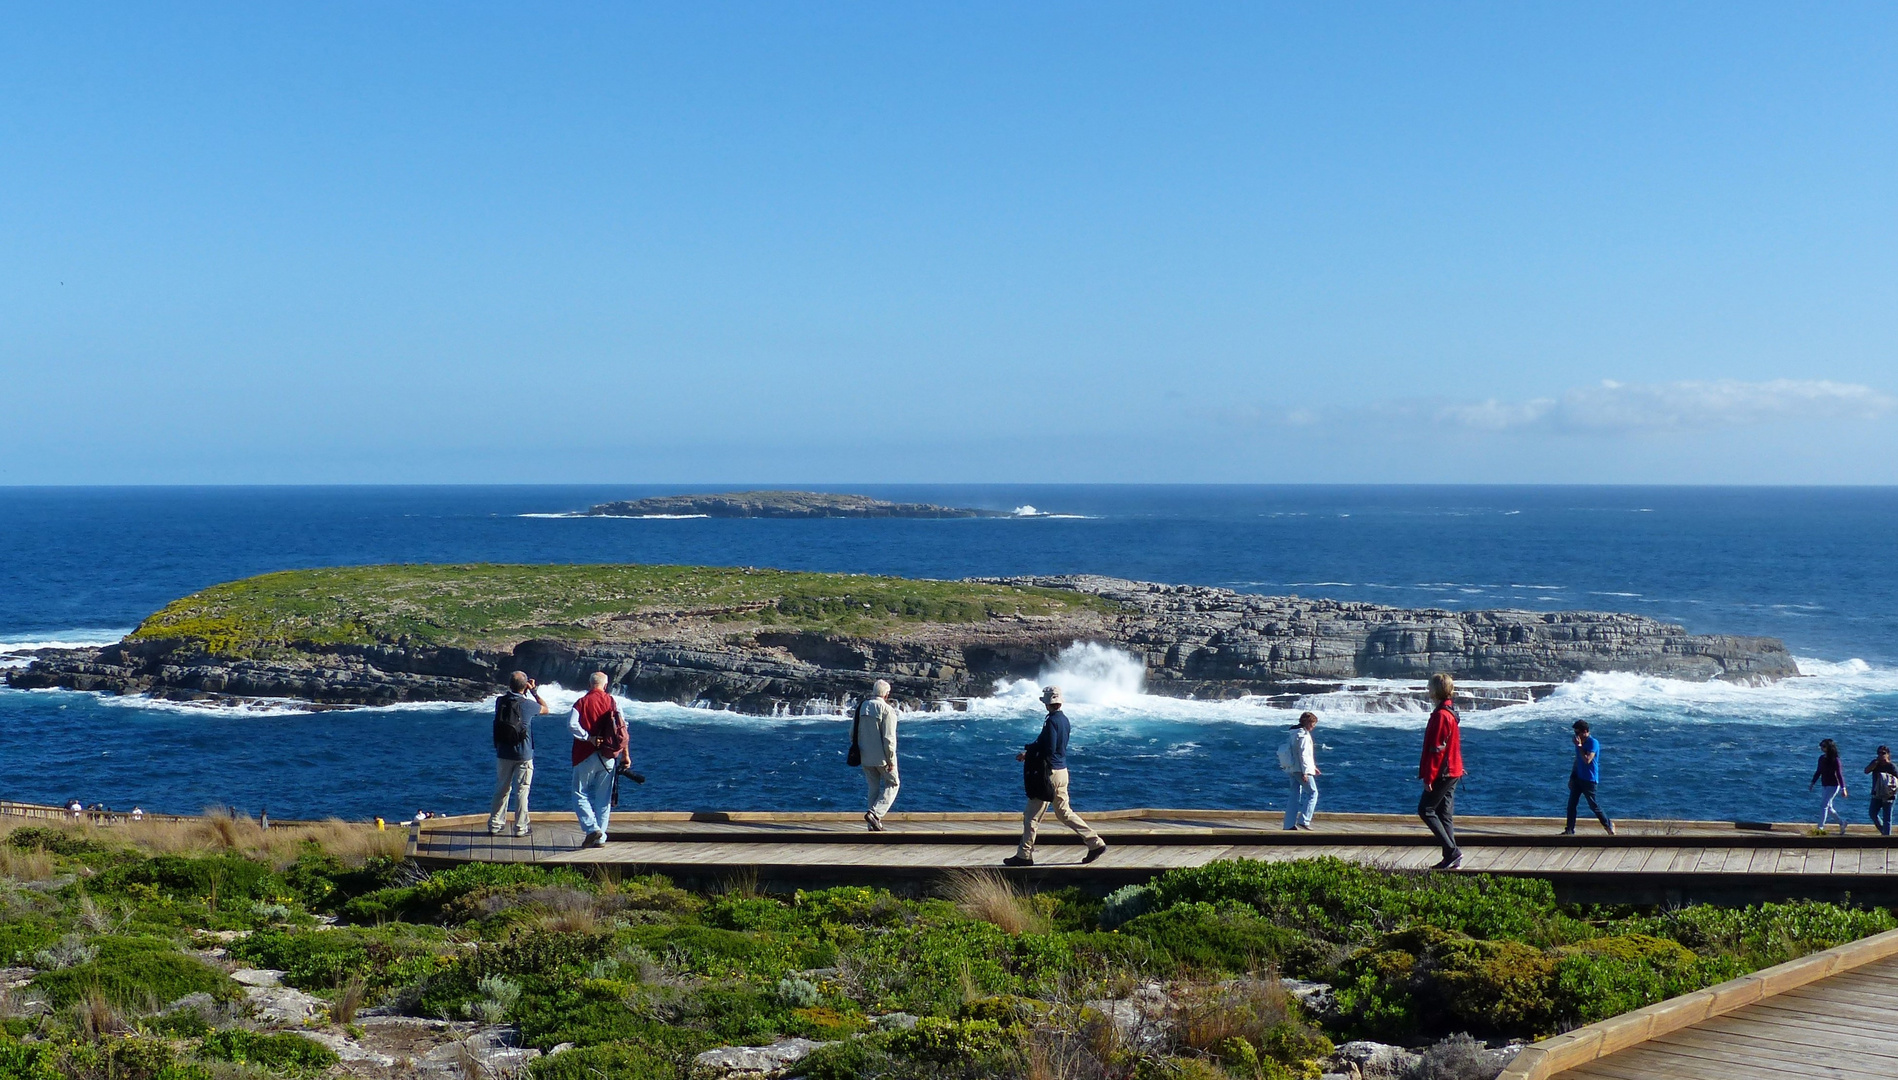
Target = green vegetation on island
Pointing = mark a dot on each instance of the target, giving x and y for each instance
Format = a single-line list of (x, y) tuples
[(637, 978), (496, 605)]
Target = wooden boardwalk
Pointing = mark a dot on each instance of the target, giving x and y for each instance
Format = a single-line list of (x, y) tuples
[(1829, 1016), (1645, 862)]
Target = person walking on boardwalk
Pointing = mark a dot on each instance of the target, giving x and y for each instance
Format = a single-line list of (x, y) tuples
[(874, 734), (514, 713), (1050, 753), (599, 745), (1441, 768), (1884, 789), (1299, 759), (1584, 778), (1830, 776)]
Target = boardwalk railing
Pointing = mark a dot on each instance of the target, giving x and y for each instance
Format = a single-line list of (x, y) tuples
[(1587, 1044), (9, 808)]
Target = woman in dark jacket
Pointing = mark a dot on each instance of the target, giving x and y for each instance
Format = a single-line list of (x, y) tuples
[(1831, 776)]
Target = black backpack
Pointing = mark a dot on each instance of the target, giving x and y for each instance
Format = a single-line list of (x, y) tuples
[(510, 722)]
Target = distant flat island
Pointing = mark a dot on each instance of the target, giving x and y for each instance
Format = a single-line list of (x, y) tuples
[(783, 504)]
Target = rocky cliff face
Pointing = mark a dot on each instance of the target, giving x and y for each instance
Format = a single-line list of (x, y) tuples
[(1194, 641)]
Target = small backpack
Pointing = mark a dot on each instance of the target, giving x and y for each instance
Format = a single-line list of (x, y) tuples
[(1288, 758), (510, 723), (1884, 786)]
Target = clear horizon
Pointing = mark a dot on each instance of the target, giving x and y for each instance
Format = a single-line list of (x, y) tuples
[(872, 246)]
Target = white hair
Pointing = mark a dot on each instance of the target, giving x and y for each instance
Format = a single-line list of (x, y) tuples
[(882, 688), (598, 680)]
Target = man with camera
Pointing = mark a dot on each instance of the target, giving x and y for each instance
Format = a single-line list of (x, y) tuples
[(600, 757), (514, 713)]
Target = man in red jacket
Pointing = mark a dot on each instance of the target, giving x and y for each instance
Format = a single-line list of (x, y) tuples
[(599, 742), (1441, 768)]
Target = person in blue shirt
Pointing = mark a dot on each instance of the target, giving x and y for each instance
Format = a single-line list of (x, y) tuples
[(1585, 777), (1051, 750)]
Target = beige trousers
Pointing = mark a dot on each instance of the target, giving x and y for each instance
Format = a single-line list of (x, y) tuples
[(1031, 816), (510, 778)]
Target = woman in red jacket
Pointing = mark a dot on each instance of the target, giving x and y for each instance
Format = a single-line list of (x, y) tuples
[(1441, 768)]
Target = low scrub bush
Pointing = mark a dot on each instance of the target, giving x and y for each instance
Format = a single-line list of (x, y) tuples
[(1229, 937), (427, 900), (135, 973), (384, 957), (609, 1061), (288, 1054)]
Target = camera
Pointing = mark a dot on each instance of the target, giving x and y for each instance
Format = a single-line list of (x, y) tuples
[(626, 770)]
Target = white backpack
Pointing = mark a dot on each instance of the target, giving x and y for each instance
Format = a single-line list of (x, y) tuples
[(1288, 756)]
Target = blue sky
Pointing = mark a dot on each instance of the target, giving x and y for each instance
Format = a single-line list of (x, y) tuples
[(976, 242)]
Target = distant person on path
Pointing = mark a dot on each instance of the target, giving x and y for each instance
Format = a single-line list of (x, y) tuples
[(599, 744), (1830, 776), (1299, 759), (1441, 768), (138, 813), (1584, 778), (1884, 789), (1050, 750), (874, 735), (514, 713)]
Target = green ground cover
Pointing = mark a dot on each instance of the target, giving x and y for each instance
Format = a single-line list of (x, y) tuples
[(485, 604), (641, 976)]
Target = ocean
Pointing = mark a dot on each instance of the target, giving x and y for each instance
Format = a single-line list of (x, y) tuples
[(1814, 567)]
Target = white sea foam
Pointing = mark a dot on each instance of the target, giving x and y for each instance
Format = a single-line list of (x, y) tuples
[(82, 638)]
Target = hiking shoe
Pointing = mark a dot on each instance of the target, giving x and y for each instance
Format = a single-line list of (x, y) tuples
[(1093, 853), (594, 839), (1018, 860), (1450, 863), (1610, 826), (875, 822), (494, 830), (1571, 832)]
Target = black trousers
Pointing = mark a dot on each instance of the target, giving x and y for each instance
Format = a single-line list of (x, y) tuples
[(1437, 808), (1578, 790)]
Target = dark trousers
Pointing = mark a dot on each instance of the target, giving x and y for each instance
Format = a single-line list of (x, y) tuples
[(1437, 808), (1579, 789), (1881, 816)]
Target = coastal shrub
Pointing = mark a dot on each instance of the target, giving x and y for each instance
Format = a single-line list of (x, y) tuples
[(1227, 937), (933, 966), (715, 952), (68, 1058), (851, 1059), (54, 841), (1762, 935), (396, 954), (285, 1053), (1612, 975), (608, 1061), (1125, 903), (1347, 903), (425, 900), (851, 906), (797, 993), (23, 937), (219, 882), (134, 973), (583, 1012), (325, 883)]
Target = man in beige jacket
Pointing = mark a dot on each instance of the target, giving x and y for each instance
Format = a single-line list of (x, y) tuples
[(876, 743)]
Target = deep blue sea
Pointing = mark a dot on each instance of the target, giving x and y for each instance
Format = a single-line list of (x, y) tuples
[(1815, 567)]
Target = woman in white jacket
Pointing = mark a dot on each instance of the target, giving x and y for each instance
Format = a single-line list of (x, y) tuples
[(1300, 760)]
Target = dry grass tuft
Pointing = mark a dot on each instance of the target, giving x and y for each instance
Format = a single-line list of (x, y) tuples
[(1243, 1009), (35, 865), (992, 898), (213, 832), (95, 1017), (348, 999)]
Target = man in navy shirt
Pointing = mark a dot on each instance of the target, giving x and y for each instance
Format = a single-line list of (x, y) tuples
[(1052, 747), (1585, 777)]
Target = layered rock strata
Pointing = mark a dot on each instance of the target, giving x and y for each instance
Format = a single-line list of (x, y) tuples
[(1193, 641)]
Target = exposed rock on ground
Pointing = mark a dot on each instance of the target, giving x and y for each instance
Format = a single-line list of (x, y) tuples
[(744, 1062)]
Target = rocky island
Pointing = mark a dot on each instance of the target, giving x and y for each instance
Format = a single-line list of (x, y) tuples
[(781, 504), (773, 641)]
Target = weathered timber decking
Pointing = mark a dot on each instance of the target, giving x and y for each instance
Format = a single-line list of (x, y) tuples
[(1645, 862), (1832, 1015)]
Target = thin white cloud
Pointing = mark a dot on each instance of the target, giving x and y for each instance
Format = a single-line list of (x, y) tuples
[(1655, 407)]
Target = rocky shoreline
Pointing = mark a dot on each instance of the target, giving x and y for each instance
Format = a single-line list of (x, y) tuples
[(1194, 641)]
